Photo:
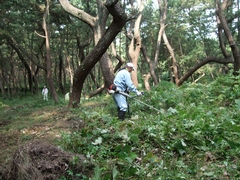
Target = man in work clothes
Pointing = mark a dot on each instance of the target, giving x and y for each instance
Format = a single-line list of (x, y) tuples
[(45, 93), (123, 83)]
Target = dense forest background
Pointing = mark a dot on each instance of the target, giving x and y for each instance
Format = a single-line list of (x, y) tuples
[(77, 46)]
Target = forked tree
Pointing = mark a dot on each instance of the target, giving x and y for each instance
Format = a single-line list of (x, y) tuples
[(118, 22)]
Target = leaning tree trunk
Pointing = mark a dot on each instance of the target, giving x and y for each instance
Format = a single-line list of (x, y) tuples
[(222, 23), (27, 67), (202, 63), (231, 42), (98, 25), (119, 20)]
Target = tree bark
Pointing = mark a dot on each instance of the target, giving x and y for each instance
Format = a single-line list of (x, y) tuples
[(135, 45), (231, 42), (151, 67), (1, 87), (28, 69), (163, 15), (146, 83), (48, 54), (97, 24), (172, 56), (1, 74), (119, 20), (60, 73), (202, 63)]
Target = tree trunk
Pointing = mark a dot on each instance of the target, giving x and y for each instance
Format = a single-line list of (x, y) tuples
[(172, 56), (105, 63), (28, 69), (48, 55), (7, 83), (135, 45), (60, 74), (1, 87), (163, 15), (61, 67), (146, 83), (231, 42), (151, 67), (202, 63), (98, 25), (119, 20), (12, 75)]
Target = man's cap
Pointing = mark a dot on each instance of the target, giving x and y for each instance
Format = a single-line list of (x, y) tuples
[(130, 65)]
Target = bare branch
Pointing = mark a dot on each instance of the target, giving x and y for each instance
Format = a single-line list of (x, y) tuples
[(39, 34)]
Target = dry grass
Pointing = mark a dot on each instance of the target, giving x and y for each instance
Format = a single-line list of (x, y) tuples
[(39, 160), (28, 138)]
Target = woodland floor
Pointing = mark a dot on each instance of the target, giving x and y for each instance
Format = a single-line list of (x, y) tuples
[(21, 126)]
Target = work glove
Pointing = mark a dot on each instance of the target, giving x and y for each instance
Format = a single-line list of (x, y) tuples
[(111, 91), (138, 93)]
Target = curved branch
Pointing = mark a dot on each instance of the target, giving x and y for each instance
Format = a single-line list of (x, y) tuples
[(78, 13), (39, 34), (12, 40), (119, 20), (202, 63)]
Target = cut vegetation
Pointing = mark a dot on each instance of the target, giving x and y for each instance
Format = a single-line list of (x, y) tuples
[(196, 136)]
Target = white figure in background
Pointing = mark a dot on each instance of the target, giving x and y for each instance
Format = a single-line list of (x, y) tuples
[(45, 93), (67, 97)]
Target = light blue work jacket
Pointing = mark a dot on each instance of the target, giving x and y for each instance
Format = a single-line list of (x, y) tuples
[(124, 83)]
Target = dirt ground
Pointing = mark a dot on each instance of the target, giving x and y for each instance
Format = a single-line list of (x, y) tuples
[(29, 142)]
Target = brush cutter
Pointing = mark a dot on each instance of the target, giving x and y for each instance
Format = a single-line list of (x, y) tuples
[(133, 97)]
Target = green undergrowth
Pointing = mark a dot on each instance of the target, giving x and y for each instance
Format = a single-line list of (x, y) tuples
[(193, 134)]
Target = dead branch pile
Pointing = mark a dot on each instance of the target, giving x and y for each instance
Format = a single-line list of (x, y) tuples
[(40, 161)]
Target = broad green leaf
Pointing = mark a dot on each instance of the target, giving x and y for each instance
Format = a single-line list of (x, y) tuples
[(134, 138), (131, 157), (114, 172), (97, 173), (208, 174)]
